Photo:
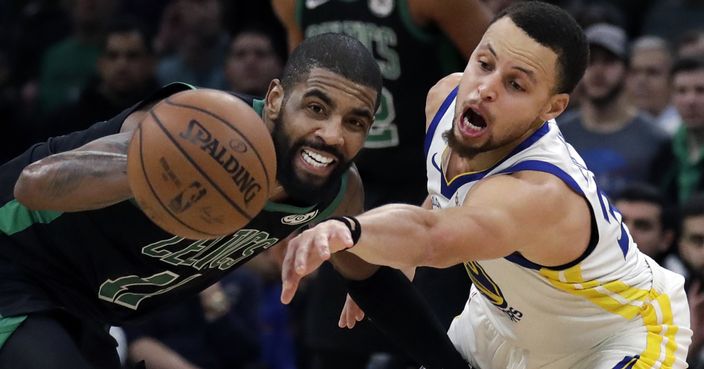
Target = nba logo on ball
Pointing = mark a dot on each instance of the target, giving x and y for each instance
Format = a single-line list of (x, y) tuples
[(198, 135), (201, 164)]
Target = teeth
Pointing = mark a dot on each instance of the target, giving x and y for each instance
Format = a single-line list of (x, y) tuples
[(316, 159), (471, 125)]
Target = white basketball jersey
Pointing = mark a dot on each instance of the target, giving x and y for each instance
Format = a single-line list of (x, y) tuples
[(547, 312)]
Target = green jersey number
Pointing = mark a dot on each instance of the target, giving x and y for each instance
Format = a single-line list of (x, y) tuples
[(384, 132), (118, 291)]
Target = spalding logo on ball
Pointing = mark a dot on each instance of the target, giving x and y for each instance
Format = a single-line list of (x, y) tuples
[(201, 164)]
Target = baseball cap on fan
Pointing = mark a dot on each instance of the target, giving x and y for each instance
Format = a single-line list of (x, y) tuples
[(610, 37)]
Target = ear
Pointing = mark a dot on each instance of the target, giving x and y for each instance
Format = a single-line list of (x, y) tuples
[(555, 106), (274, 99)]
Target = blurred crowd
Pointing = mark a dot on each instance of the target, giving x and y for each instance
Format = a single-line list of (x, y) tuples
[(637, 118)]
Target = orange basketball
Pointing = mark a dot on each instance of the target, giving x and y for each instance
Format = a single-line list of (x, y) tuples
[(201, 164)]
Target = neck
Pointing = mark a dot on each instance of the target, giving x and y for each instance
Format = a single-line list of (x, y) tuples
[(278, 193), (610, 117)]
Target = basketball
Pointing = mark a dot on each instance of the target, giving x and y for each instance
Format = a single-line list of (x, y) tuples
[(201, 164)]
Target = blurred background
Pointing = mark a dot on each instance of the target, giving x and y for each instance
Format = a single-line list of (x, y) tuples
[(637, 118)]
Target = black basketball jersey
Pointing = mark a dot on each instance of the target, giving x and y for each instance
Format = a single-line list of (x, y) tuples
[(113, 264), (411, 59)]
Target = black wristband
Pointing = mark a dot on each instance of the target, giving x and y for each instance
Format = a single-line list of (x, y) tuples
[(353, 225)]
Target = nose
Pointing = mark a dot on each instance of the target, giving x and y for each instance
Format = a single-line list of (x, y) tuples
[(487, 92), (331, 132)]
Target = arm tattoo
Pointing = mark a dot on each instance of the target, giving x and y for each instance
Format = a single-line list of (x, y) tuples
[(68, 175)]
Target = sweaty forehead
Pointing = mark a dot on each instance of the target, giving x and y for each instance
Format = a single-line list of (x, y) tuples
[(337, 86)]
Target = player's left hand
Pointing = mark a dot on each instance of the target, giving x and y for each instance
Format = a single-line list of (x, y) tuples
[(351, 314), (306, 252)]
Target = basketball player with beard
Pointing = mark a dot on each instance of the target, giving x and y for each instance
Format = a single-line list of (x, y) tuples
[(617, 141), (77, 255), (557, 280)]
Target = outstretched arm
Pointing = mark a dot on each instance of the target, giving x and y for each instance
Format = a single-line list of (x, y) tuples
[(501, 215)]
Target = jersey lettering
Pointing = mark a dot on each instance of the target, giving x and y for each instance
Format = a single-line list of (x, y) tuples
[(221, 253), (117, 290)]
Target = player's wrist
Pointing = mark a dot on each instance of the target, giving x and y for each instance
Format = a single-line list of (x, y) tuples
[(353, 225)]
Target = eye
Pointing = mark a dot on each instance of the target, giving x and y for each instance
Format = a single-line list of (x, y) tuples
[(516, 86), (357, 124), (316, 108), (484, 65)]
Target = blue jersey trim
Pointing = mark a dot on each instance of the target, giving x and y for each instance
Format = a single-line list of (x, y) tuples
[(436, 119), (448, 189), (541, 166), (519, 259), (627, 362)]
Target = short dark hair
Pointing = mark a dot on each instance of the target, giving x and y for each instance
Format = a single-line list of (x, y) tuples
[(644, 192), (278, 44), (556, 29), (127, 24), (338, 53), (693, 207), (689, 37), (688, 64)]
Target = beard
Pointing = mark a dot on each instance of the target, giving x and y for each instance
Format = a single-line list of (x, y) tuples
[(298, 188), (609, 97), (457, 147)]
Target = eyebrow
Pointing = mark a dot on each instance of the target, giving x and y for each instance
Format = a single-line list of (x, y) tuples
[(321, 95), (366, 113), (528, 72)]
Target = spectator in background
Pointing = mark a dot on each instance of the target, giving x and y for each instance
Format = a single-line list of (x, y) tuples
[(617, 143), (36, 26), (218, 329), (691, 250), (68, 65), (125, 75), (691, 44), (252, 62), (678, 170), (415, 43), (649, 81), (651, 222), (671, 18), (194, 30)]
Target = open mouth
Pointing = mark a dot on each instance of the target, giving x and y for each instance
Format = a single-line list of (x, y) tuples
[(472, 123)]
